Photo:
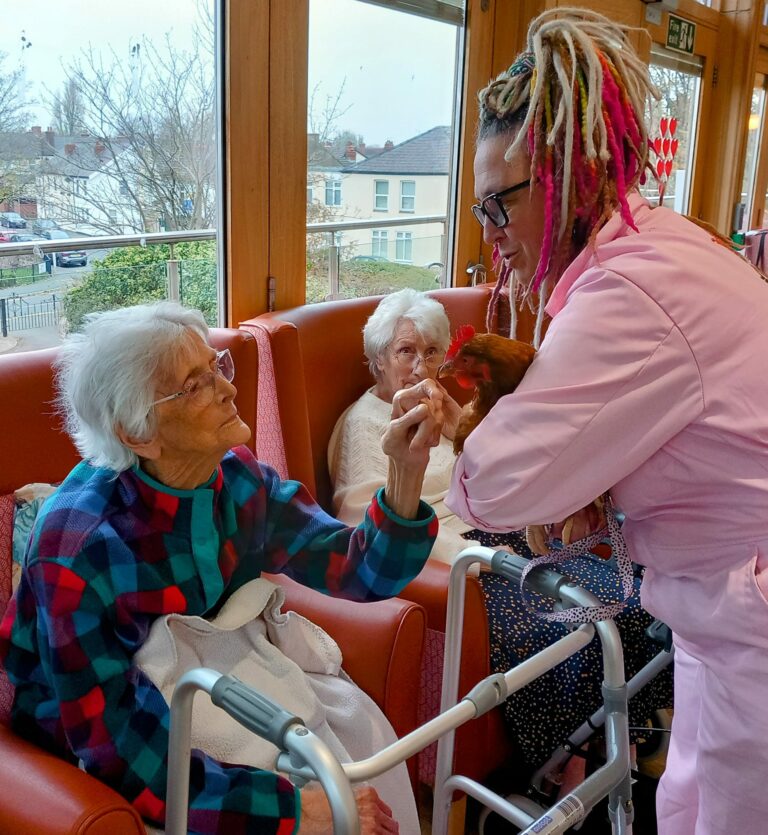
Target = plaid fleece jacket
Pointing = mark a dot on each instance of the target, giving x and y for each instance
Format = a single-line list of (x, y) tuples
[(110, 555)]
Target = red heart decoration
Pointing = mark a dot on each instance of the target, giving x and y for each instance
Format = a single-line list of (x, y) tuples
[(657, 145), (672, 126), (659, 168), (665, 147), (663, 125), (675, 145), (668, 167)]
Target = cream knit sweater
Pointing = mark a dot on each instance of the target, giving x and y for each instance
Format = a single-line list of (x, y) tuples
[(358, 467)]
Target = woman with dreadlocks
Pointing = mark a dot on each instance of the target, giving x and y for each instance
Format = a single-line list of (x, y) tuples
[(650, 384)]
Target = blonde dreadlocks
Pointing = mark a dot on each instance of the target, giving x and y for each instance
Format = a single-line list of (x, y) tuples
[(577, 97)]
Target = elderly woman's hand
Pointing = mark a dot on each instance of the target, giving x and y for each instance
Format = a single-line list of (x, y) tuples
[(413, 431), (375, 816)]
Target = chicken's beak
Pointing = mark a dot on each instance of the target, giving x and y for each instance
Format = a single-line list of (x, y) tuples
[(445, 370)]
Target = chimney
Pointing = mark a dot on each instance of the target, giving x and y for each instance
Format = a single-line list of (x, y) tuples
[(350, 153), (361, 148), (37, 130), (49, 135), (389, 145), (70, 149), (99, 148)]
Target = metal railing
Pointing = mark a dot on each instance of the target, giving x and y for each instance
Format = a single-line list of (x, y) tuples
[(332, 228), (106, 241)]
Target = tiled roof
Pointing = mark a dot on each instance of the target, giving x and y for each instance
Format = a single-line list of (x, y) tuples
[(427, 153)]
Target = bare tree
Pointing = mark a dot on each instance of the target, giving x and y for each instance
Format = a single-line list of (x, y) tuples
[(152, 117), (13, 113), (16, 154), (67, 108)]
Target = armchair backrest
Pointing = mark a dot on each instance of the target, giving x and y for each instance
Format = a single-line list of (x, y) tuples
[(33, 445), (313, 367)]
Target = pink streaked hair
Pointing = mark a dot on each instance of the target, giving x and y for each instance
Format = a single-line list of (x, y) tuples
[(575, 101)]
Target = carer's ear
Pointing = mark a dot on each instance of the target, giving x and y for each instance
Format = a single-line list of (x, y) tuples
[(150, 450)]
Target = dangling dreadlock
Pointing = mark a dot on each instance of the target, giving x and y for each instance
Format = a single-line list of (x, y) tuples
[(577, 98)]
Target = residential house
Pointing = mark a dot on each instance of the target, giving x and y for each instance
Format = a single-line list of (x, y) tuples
[(78, 185), (409, 179)]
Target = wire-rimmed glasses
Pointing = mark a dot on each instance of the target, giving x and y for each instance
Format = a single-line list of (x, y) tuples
[(200, 390), (410, 358)]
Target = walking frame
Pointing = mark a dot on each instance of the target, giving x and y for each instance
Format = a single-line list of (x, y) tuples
[(303, 756)]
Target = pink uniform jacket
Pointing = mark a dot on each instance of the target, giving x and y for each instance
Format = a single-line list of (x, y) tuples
[(652, 381)]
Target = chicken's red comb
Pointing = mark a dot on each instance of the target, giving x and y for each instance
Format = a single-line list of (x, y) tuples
[(463, 334)]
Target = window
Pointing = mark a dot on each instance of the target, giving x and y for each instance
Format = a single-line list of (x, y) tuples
[(333, 192), (379, 243), (673, 125), (755, 127), (407, 195), (383, 154), (310, 195), (381, 195), (121, 155), (404, 247)]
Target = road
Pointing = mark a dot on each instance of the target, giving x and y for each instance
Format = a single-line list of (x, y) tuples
[(43, 290)]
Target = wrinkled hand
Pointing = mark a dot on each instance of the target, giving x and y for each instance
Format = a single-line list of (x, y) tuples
[(415, 427), (578, 525), (375, 816)]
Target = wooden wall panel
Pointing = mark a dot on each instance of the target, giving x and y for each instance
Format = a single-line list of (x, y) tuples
[(247, 157)]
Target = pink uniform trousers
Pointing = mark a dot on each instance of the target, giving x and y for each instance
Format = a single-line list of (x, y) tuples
[(716, 781)]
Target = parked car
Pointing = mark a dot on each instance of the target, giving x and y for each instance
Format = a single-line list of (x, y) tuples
[(5, 238), (368, 258), (43, 224), (12, 220), (66, 257), (24, 237)]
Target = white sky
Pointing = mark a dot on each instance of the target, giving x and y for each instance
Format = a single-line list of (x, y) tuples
[(399, 69)]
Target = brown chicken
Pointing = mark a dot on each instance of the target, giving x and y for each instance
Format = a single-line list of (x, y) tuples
[(490, 364), (493, 366)]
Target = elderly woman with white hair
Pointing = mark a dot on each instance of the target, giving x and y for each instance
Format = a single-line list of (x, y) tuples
[(169, 513), (404, 340)]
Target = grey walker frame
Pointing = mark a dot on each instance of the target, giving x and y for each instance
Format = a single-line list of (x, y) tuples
[(304, 757)]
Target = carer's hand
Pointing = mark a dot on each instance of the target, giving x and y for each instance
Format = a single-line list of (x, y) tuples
[(375, 816)]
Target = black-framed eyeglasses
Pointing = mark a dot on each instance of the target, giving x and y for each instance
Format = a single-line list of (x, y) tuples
[(492, 207)]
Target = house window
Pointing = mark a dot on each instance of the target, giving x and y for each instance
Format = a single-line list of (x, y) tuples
[(333, 192), (381, 195), (379, 243), (404, 247), (309, 195), (407, 195), (80, 215), (112, 216)]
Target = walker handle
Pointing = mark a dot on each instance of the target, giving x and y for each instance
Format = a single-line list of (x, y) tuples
[(253, 710), (543, 580)]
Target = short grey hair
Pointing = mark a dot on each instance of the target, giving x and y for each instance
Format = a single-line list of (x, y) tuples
[(427, 315), (106, 376)]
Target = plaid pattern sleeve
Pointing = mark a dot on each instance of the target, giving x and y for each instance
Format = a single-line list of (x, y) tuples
[(67, 641), (109, 555), (373, 561)]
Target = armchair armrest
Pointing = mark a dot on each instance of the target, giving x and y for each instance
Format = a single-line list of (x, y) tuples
[(42, 793), (382, 645)]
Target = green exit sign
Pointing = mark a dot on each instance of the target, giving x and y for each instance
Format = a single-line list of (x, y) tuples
[(681, 34)]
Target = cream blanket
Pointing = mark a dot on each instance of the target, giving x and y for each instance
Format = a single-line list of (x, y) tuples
[(287, 658)]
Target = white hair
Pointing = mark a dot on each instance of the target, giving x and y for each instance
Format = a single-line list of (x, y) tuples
[(106, 376), (427, 315)]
